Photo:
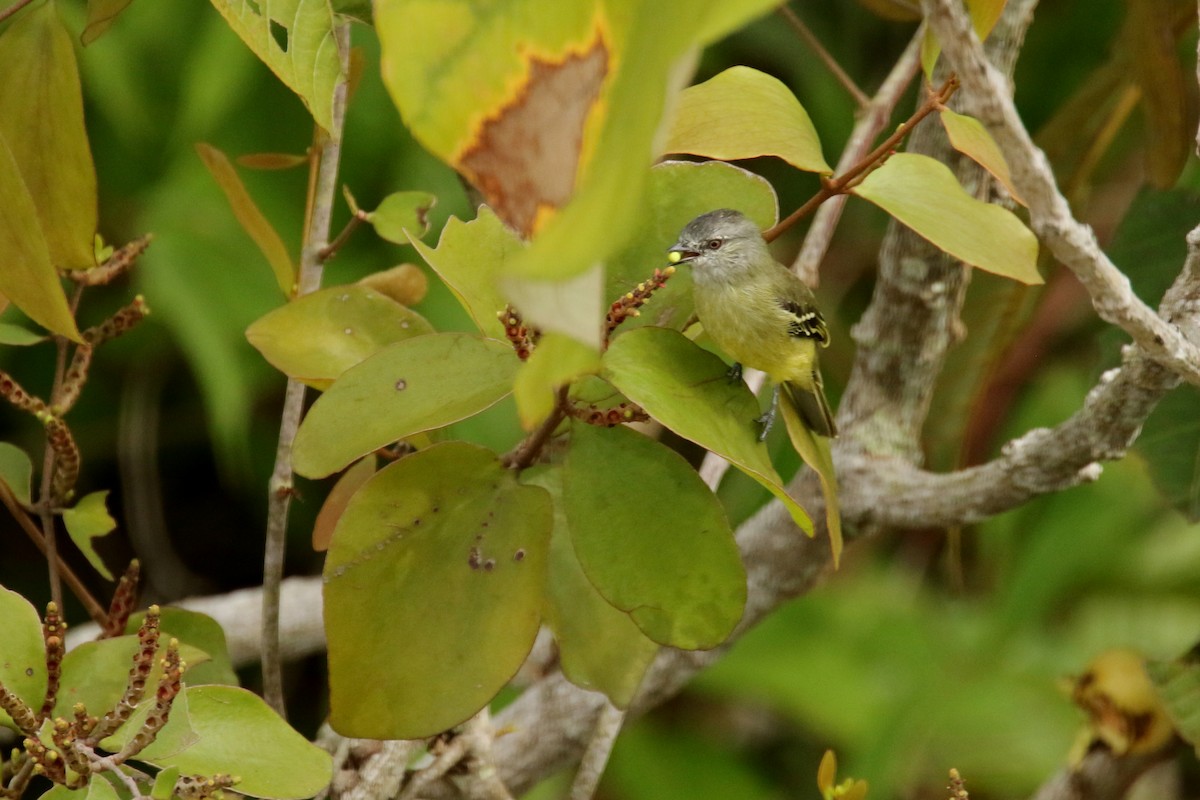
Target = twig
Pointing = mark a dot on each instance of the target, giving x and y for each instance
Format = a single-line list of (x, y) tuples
[(875, 115), (591, 766), (1072, 243), (835, 186), (279, 495), (14, 8), (826, 57), (331, 249), (93, 607), (526, 453)]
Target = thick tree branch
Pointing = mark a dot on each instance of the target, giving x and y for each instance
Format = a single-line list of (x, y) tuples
[(1072, 242)]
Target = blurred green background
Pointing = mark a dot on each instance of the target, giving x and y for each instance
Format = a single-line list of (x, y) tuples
[(929, 649)]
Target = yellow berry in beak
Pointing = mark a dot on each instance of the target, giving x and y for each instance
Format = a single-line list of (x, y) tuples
[(674, 256)]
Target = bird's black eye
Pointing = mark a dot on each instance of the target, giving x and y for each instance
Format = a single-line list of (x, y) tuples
[(714, 244)]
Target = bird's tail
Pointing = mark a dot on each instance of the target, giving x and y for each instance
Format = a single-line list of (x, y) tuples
[(817, 452), (812, 406)]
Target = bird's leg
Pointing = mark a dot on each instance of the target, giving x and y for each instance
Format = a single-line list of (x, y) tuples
[(768, 419), (734, 373)]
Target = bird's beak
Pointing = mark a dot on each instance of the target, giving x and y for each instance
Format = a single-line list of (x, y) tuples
[(678, 254)]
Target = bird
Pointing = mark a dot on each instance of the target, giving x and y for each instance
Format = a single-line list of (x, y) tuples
[(757, 311)]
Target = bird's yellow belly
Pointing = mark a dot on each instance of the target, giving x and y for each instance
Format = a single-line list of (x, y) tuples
[(760, 341)]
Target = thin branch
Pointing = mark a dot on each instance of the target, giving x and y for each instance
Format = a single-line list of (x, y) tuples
[(831, 187), (77, 587), (280, 486), (591, 766), (330, 250), (526, 453), (14, 8), (1072, 243), (826, 57), (871, 121)]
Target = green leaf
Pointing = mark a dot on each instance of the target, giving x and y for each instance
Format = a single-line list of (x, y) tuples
[(556, 361), (1167, 105), (16, 470), (164, 783), (100, 16), (678, 575), (923, 194), (88, 520), (201, 632), (402, 214), (599, 646), (468, 258), (744, 113), (309, 62), (408, 387), (336, 501), (1170, 443), (969, 137), (95, 674), (251, 219), (22, 652), (816, 452), (41, 119), (175, 737), (687, 389), (678, 192), (28, 278), (317, 337), (17, 336), (1178, 685), (433, 584), (98, 788), (240, 735), (573, 307)]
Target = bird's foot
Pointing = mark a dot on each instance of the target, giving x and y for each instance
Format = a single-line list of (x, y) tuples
[(768, 418), (734, 373)]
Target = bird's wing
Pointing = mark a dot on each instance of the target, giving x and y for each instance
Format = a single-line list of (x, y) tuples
[(805, 320)]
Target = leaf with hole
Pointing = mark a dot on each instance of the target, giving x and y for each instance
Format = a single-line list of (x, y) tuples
[(22, 652), (401, 215), (408, 387), (295, 39), (317, 337)]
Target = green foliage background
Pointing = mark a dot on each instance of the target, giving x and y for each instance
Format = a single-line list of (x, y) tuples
[(902, 662)]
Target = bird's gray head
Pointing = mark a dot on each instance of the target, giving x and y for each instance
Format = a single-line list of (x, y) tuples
[(718, 244)]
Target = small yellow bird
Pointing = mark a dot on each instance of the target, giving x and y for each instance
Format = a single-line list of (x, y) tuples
[(758, 312)]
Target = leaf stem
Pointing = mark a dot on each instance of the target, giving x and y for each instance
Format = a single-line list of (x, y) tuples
[(526, 453), (842, 183), (330, 250), (810, 38), (323, 189)]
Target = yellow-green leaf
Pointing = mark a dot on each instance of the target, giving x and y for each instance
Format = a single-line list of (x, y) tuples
[(744, 113), (28, 278), (433, 588), (251, 219), (308, 62), (16, 470), (401, 215), (469, 257), (923, 193), (86, 521), (556, 360), (22, 651), (41, 118), (969, 137), (408, 387), (317, 337)]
